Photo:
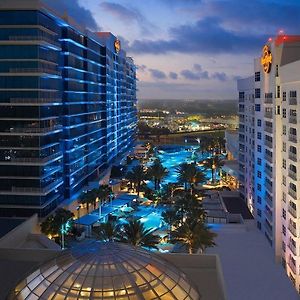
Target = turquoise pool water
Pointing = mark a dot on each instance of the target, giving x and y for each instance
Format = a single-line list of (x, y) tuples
[(171, 157)]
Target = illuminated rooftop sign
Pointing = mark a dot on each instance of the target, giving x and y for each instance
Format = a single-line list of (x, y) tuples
[(266, 59), (117, 45)]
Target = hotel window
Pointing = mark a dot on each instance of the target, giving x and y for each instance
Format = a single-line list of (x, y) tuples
[(259, 212), (283, 246), (259, 161), (284, 113), (259, 122), (284, 146), (259, 187), (257, 107), (284, 213), (257, 93), (283, 230), (284, 129), (259, 135), (259, 174), (284, 96), (284, 197), (278, 91), (257, 76), (259, 199), (258, 225), (293, 94), (284, 163), (283, 180), (258, 148), (276, 72)]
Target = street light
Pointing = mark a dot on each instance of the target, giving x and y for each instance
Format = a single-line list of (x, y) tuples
[(78, 213), (100, 209)]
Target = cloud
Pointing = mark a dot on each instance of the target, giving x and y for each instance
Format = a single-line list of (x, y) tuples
[(195, 74), (219, 76), (206, 36), (157, 74), (142, 68), (127, 15), (80, 14), (173, 75)]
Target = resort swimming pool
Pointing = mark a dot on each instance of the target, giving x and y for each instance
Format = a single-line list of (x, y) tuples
[(173, 156)]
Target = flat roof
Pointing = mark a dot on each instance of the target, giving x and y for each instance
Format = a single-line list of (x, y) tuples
[(236, 205), (248, 264), (8, 224)]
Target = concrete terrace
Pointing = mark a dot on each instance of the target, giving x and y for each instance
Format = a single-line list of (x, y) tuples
[(248, 264)]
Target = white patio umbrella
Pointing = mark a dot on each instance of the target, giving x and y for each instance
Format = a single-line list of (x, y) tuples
[(127, 209)]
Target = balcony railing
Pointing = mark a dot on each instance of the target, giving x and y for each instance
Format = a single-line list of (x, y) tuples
[(34, 70), (34, 100), (292, 211), (269, 186), (269, 215), (268, 158), (269, 144), (269, 129), (293, 230), (292, 175), (292, 248), (34, 38), (268, 172), (292, 101), (292, 267), (269, 100), (35, 159), (269, 201), (32, 190), (33, 130), (293, 119), (268, 114), (293, 193), (293, 156), (293, 138)]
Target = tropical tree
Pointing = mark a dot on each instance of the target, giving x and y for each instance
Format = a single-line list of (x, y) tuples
[(168, 192), (189, 175), (103, 192), (135, 233), (214, 163), (188, 207), (54, 224), (170, 217), (87, 198), (157, 171), (136, 176), (106, 232), (195, 235)]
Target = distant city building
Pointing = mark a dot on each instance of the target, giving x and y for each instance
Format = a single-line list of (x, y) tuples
[(68, 106), (269, 143)]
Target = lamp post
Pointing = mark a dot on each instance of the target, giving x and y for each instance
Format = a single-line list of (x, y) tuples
[(78, 214), (111, 196), (100, 209)]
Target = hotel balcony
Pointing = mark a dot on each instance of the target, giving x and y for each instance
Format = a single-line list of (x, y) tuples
[(268, 100), (292, 248), (268, 158), (293, 156), (269, 187), (34, 38), (292, 267), (35, 70), (292, 175), (268, 229), (293, 230), (269, 114), (269, 144), (293, 193), (269, 215), (292, 101), (292, 211), (269, 200), (269, 129), (269, 172), (242, 130), (293, 138), (293, 119), (32, 130), (33, 101)]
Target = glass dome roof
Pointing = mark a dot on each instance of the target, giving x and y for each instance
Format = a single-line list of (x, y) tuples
[(106, 271)]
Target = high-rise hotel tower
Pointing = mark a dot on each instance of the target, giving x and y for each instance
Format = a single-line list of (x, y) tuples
[(269, 142), (67, 106)]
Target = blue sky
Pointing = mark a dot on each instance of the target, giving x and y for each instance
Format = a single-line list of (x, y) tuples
[(190, 49)]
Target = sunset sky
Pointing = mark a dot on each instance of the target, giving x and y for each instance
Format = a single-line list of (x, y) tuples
[(190, 49)]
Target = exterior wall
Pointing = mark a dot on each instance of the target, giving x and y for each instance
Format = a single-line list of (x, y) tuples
[(276, 183), (232, 144), (68, 107)]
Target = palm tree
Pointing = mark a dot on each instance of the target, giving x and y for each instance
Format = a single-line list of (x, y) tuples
[(103, 192), (195, 235), (218, 163), (170, 217), (136, 234), (214, 163), (137, 175), (157, 171), (189, 175), (87, 198), (106, 232)]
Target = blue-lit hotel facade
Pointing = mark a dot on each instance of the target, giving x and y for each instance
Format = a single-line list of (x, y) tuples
[(68, 107)]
